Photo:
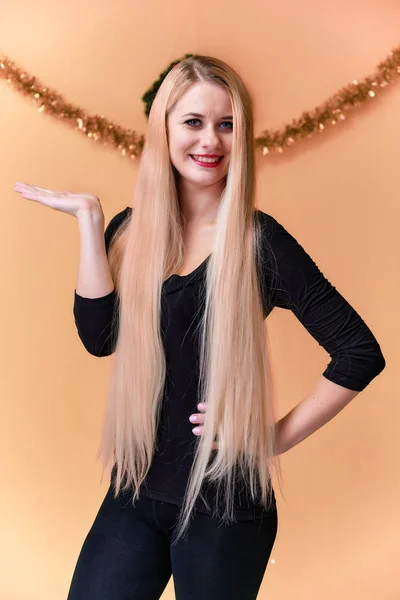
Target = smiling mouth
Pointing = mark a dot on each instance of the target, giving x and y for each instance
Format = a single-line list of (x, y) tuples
[(206, 161)]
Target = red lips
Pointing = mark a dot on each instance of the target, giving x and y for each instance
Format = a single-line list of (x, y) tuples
[(206, 164)]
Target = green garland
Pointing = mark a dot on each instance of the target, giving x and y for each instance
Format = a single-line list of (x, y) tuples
[(149, 96)]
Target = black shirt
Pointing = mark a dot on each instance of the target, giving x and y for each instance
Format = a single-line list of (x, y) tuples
[(297, 284)]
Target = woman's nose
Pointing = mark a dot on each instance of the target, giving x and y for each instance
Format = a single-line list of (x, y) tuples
[(210, 138)]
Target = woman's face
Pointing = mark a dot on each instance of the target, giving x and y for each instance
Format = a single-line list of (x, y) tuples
[(209, 132)]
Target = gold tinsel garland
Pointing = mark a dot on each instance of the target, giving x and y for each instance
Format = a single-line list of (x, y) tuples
[(100, 129)]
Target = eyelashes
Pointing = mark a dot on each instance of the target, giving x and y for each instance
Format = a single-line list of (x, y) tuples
[(224, 122)]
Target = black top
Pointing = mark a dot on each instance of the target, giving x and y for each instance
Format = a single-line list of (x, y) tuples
[(297, 284)]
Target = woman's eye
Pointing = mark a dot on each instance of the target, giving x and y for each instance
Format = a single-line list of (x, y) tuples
[(223, 123)]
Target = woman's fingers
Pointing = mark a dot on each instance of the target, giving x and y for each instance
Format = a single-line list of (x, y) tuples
[(31, 195), (27, 187), (34, 189), (198, 419)]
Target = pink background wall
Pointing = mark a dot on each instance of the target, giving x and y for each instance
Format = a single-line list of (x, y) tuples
[(339, 195)]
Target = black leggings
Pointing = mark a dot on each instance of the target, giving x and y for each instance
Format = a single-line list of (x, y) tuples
[(128, 555)]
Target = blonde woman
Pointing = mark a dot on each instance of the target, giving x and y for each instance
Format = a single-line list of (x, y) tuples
[(177, 290)]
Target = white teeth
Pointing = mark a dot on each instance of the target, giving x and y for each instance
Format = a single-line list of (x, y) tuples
[(202, 159)]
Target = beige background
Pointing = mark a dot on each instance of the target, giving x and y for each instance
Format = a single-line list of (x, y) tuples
[(339, 195)]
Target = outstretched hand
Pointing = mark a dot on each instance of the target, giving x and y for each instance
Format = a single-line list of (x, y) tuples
[(198, 420), (67, 202)]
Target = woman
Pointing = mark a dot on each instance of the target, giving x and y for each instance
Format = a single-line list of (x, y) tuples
[(177, 290)]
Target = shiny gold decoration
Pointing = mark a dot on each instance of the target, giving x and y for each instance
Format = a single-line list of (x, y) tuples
[(335, 109), (96, 127), (130, 144)]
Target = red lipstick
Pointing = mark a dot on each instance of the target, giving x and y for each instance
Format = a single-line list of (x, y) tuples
[(207, 164)]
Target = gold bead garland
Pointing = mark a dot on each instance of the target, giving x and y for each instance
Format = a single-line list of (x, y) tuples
[(130, 144), (334, 110), (96, 127)]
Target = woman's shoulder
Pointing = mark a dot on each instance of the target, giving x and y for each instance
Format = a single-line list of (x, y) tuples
[(265, 219), (115, 223), (119, 218)]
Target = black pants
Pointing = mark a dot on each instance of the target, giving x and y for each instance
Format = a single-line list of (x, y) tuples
[(127, 554)]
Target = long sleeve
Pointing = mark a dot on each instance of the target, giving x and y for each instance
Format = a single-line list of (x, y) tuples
[(297, 284), (96, 319)]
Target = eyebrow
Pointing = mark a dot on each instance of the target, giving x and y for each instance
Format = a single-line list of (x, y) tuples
[(202, 116)]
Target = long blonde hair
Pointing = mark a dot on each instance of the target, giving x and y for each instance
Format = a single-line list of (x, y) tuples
[(235, 378)]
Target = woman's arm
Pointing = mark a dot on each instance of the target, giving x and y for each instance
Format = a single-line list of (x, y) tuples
[(94, 277), (356, 356), (324, 402), (95, 299), (299, 285)]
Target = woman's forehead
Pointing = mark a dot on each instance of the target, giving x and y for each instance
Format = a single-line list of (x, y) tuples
[(206, 99)]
